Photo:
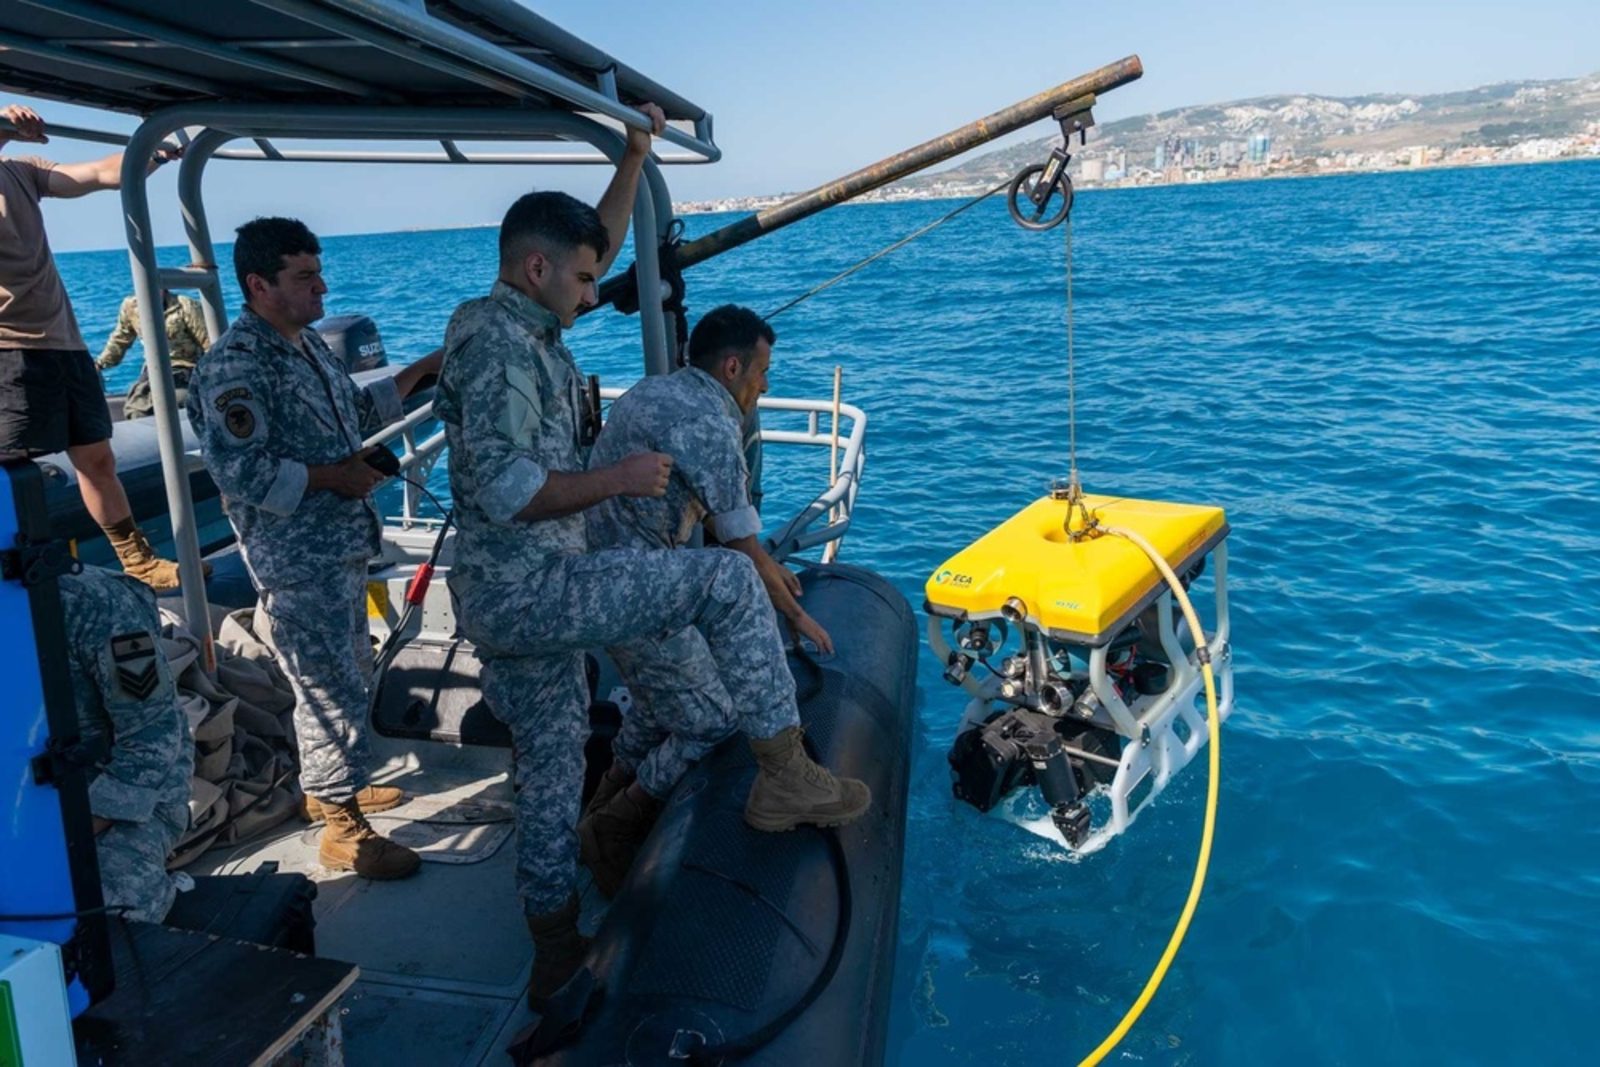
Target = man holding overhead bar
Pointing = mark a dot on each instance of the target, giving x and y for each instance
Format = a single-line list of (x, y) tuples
[(51, 399), (529, 592)]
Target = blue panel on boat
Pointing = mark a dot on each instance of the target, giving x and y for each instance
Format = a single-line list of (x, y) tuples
[(32, 839)]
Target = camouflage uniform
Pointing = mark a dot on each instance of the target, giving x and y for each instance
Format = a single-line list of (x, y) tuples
[(125, 697), (187, 340), (694, 419), (531, 597), (265, 410)]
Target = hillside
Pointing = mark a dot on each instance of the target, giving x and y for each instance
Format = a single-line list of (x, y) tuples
[(1301, 127)]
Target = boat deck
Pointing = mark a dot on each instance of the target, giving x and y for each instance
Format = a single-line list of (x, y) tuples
[(444, 955)]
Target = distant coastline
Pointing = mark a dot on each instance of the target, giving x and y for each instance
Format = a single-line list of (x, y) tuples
[(961, 191), (891, 195)]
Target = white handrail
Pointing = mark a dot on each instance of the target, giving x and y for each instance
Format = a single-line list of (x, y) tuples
[(413, 456), (831, 508), (827, 518)]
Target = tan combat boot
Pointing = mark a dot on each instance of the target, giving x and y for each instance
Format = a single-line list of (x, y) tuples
[(349, 844), (140, 561), (558, 950), (373, 798), (610, 838), (611, 783), (792, 789)]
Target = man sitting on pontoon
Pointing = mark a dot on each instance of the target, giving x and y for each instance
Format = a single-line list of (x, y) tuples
[(187, 338), (694, 416)]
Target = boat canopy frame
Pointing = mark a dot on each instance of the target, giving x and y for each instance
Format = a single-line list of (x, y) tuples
[(139, 56), (205, 130)]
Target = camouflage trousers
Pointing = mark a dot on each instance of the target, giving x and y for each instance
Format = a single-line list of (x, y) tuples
[(531, 638), (138, 402), (318, 634), (681, 708), (133, 855)]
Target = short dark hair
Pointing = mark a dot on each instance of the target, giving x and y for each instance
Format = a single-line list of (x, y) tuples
[(262, 244), (727, 330), (559, 219)]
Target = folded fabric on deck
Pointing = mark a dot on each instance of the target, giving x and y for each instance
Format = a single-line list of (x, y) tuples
[(245, 782)]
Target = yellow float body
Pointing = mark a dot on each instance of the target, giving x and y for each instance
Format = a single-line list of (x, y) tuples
[(1083, 592)]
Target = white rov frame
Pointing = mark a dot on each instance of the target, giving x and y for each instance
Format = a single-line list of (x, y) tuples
[(1152, 746), (801, 533)]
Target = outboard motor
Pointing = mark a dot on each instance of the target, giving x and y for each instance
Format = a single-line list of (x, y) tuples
[(355, 341)]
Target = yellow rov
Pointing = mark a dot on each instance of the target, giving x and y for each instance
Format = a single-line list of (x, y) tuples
[(1061, 626)]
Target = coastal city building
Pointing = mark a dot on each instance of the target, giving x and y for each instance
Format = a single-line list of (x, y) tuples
[(1233, 155)]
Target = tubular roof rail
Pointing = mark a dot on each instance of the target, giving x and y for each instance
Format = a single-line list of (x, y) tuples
[(448, 155), (139, 56), (75, 133), (449, 151)]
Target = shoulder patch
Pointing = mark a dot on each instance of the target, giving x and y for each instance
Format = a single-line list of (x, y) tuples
[(239, 411), (134, 657), (240, 420)]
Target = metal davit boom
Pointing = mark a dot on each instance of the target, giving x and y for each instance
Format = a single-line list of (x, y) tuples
[(898, 166)]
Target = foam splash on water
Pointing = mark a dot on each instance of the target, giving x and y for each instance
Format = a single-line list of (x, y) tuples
[(1021, 809)]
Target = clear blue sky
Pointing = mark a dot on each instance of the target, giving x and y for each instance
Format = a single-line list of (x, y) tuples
[(803, 92)]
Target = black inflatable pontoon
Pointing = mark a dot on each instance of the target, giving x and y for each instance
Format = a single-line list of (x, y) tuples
[(724, 936)]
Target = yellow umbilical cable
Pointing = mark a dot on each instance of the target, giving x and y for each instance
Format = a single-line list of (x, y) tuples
[(1214, 725), (1085, 527)]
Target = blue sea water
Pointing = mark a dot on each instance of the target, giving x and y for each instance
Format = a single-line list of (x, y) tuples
[(1392, 383)]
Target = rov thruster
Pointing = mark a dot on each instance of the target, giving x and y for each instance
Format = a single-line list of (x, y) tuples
[(1085, 680)]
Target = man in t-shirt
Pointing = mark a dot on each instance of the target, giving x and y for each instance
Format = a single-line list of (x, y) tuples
[(50, 394)]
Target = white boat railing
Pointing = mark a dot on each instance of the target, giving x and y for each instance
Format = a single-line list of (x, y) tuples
[(824, 520), (827, 518), (417, 459)]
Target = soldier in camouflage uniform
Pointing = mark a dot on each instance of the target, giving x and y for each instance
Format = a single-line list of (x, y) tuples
[(281, 427), (187, 338), (528, 593), (127, 703), (696, 417)]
